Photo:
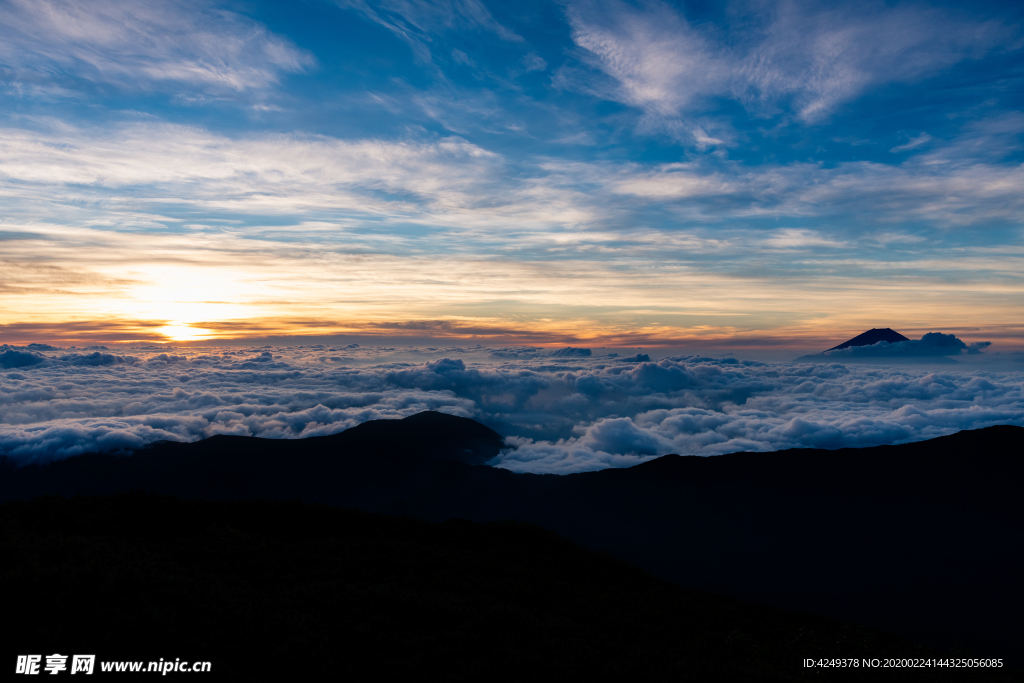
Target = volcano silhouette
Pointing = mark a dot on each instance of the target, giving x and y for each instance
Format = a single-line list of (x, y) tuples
[(872, 336)]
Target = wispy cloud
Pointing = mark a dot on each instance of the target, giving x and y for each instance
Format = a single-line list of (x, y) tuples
[(914, 143), (144, 46), (811, 57), (269, 173), (789, 238), (655, 59), (418, 22), (453, 183)]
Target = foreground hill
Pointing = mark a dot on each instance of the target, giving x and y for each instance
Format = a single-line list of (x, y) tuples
[(274, 591), (925, 540)]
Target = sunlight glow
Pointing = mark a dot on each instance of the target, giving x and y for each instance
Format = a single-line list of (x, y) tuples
[(182, 332)]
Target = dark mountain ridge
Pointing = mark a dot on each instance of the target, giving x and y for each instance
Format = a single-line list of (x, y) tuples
[(281, 591), (428, 434), (921, 539)]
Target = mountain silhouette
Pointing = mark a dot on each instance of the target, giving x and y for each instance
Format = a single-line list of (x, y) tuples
[(282, 591), (428, 434), (872, 336), (918, 539)]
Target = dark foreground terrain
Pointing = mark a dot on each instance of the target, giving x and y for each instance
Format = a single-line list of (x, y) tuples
[(923, 540), (277, 591)]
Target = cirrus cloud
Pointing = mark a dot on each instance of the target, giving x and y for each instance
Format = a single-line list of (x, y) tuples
[(810, 56), (143, 45)]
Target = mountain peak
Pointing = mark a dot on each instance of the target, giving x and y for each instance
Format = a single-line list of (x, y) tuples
[(429, 434), (872, 336)]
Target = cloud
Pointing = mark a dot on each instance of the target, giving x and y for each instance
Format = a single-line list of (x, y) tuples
[(16, 358), (560, 414), (97, 358), (656, 60), (825, 54), (919, 141), (416, 22), (790, 238), (452, 183), (534, 62), (811, 56), (141, 46), (621, 436), (570, 352), (516, 352), (293, 172)]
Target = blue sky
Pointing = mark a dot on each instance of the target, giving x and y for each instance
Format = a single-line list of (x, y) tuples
[(683, 174)]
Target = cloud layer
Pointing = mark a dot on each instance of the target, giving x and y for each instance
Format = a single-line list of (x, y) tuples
[(560, 413)]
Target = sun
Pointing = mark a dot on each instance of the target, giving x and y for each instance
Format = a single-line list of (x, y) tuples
[(184, 332)]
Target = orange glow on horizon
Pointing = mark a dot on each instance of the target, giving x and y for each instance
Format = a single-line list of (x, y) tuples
[(181, 332), (489, 332), (112, 288)]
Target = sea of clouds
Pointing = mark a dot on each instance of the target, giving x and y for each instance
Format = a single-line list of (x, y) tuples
[(561, 411)]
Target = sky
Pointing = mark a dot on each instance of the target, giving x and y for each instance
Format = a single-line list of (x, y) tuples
[(705, 176)]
